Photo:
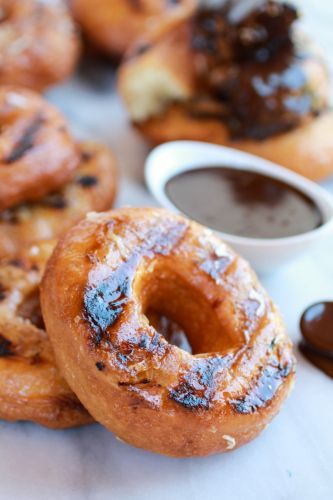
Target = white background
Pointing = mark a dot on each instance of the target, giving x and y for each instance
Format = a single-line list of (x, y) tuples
[(292, 459)]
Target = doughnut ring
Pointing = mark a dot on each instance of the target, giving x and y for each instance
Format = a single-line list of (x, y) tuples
[(188, 83), (31, 387), (100, 281), (92, 188), (37, 152), (114, 26), (38, 43)]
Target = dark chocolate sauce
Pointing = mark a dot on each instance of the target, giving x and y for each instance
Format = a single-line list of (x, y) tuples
[(250, 74), (317, 331), (243, 203)]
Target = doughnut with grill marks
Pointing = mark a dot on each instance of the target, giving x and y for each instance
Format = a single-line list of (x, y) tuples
[(103, 277)]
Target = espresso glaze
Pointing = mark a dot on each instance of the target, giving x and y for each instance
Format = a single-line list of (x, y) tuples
[(251, 72), (317, 331), (243, 203)]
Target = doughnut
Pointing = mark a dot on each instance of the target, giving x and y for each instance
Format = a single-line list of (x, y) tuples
[(102, 278), (37, 153), (92, 188), (39, 46), (31, 387), (257, 85), (114, 26)]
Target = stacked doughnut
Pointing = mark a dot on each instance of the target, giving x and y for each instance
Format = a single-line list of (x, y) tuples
[(39, 45), (47, 181), (31, 386), (237, 77), (105, 277)]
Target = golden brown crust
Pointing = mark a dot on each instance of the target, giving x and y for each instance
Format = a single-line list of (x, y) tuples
[(31, 387), (38, 43), (114, 26), (92, 188), (153, 395), (308, 149), (37, 153)]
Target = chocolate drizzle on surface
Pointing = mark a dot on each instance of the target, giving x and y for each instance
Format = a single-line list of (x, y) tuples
[(250, 74), (87, 181), (268, 383), (196, 390), (105, 302)]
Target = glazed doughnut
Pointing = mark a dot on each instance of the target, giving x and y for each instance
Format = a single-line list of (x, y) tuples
[(31, 387), (114, 26), (92, 188), (38, 43), (37, 152), (213, 80), (106, 273)]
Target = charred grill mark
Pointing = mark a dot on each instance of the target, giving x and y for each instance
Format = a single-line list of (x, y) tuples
[(5, 347), (26, 142), (9, 216), (86, 156), (271, 378), (144, 381), (87, 181), (151, 344), (2, 292), (197, 389), (139, 50), (100, 366), (55, 200), (104, 303), (16, 263)]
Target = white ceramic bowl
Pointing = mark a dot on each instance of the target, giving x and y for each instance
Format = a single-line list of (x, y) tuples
[(265, 255)]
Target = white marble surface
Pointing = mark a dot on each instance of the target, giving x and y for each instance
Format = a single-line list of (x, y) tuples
[(292, 459)]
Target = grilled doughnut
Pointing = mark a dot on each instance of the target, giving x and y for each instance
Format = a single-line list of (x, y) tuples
[(31, 387), (37, 152), (92, 188), (38, 43), (102, 278), (254, 84), (114, 26)]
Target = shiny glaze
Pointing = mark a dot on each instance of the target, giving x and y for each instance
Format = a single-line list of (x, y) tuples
[(317, 331), (252, 71), (243, 203), (34, 134), (126, 262), (108, 300)]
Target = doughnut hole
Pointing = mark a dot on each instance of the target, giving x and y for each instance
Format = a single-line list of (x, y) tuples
[(170, 330), (166, 293)]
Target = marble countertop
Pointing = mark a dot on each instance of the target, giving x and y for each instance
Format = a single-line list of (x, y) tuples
[(292, 459)]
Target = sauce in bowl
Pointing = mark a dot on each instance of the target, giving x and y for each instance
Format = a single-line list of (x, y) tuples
[(243, 203)]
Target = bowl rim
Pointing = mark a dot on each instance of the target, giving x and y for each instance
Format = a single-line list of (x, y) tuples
[(193, 154)]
